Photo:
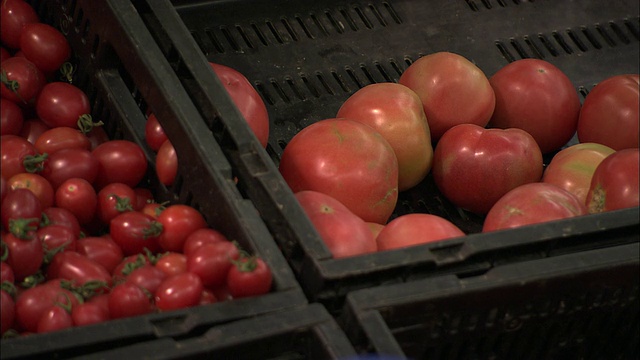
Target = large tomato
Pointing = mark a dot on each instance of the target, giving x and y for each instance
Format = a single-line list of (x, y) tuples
[(615, 182), (246, 99), (347, 160), (473, 166), (344, 233), (453, 91), (415, 229), (536, 96), (609, 114), (572, 168), (531, 204), (396, 112)]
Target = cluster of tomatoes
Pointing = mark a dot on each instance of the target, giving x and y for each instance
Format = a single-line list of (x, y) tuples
[(482, 140), (83, 240)]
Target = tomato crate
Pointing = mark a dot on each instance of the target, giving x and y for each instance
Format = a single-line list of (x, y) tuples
[(305, 59), (124, 74), (575, 306)]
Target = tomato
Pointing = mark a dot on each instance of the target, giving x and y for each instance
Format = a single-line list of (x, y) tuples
[(22, 81), (200, 237), (45, 46), (473, 166), (154, 134), (536, 96), (32, 303), (114, 199), (250, 276), (453, 91), (167, 163), (77, 268), (144, 196), (615, 182), (348, 161), (54, 319), (78, 196), (172, 263), (14, 15), (414, 229), (147, 277), (609, 113), (102, 250), (396, 112), (375, 228), (153, 209), (62, 104), (16, 154), (178, 221), (56, 238), (32, 129), (179, 291), (61, 137), (134, 232), (20, 203), (8, 307), (343, 232), (35, 183), (11, 117), (120, 161), (58, 216), (6, 272), (127, 300), (246, 99), (89, 313), (532, 204), (25, 256), (572, 168), (211, 262), (127, 265), (66, 164)]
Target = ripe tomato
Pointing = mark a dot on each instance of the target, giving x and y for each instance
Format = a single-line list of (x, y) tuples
[(415, 229), (70, 163), (62, 104), (15, 150), (20, 203), (11, 117), (8, 307), (179, 291), (211, 262), (615, 182), (246, 99), (609, 114), (147, 277), (532, 204), (58, 216), (78, 196), (6, 273), (45, 46), (22, 81), (134, 232), (25, 256), (88, 313), (61, 137), (536, 96), (77, 268), (172, 263), (473, 166), (396, 112), (55, 318), (154, 134), (453, 91), (572, 168), (35, 183), (32, 129), (55, 238), (250, 276), (101, 249), (14, 15), (167, 163), (178, 221), (120, 161), (128, 299), (32, 303), (201, 237), (342, 232), (348, 161), (114, 199)]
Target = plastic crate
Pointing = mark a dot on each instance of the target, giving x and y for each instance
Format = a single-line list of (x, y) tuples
[(307, 58), (303, 333), (124, 74), (576, 306)]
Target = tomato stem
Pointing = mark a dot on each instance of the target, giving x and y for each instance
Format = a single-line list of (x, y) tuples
[(5, 251), (67, 70), (12, 85), (9, 288), (154, 229), (33, 280), (34, 163), (23, 228), (86, 124)]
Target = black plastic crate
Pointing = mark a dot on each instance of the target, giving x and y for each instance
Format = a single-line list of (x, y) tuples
[(576, 306), (307, 58), (303, 333), (123, 72)]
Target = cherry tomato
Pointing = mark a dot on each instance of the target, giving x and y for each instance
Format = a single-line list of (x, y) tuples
[(115, 199), (615, 182), (20, 203), (127, 300), (22, 81), (61, 137), (154, 133), (55, 238), (172, 263), (77, 268), (58, 216), (62, 104), (89, 313), (414, 229), (18, 156), (201, 237), (45, 46), (101, 249), (134, 232), (178, 221), (167, 163), (32, 303), (6, 272), (250, 276), (14, 15), (120, 161), (153, 209), (25, 256), (211, 262), (35, 183), (127, 265), (79, 197), (179, 291), (32, 129), (66, 164), (11, 117), (147, 277), (8, 307), (54, 319)]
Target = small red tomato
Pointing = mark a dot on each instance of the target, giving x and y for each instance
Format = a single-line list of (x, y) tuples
[(179, 291), (113, 200), (78, 268), (32, 303), (57, 238), (211, 262), (250, 276), (18, 156), (25, 255), (8, 306), (54, 319), (24, 81), (127, 300), (147, 277), (45, 46), (172, 263), (154, 133), (167, 163), (178, 221), (59, 216), (102, 250), (201, 237), (61, 137), (89, 313), (134, 232), (120, 161), (14, 15), (78, 196), (62, 104), (35, 183), (20, 204)]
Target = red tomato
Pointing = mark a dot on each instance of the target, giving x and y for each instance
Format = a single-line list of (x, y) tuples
[(134, 232), (147, 277), (45, 46), (32, 303), (35, 183), (609, 114), (473, 166), (532, 204), (127, 265), (536, 96), (8, 307), (14, 15), (61, 137), (66, 164), (120, 161), (114, 199), (11, 117), (615, 182), (348, 161), (343, 232), (178, 221), (25, 255), (453, 91), (154, 133), (246, 99), (23, 83), (16, 152), (54, 319), (32, 129), (167, 163), (172, 263), (201, 237), (89, 313), (179, 291), (127, 300), (572, 168), (20, 203), (6, 273), (250, 276), (102, 250), (211, 262), (78, 196), (415, 229), (396, 112), (77, 268), (55, 238), (58, 216), (62, 104)]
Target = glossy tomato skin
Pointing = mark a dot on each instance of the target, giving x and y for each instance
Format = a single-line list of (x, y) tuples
[(26, 78), (134, 232), (147, 277), (167, 163), (35, 183), (120, 161), (11, 117), (54, 319), (58, 216), (536, 96), (62, 104), (453, 91), (128, 299), (79, 197), (615, 182), (250, 276), (178, 221), (32, 303), (89, 313), (172, 263), (179, 291), (572, 168), (246, 99), (14, 15), (211, 262), (71, 163), (61, 137), (344, 233), (396, 112), (154, 133), (348, 161), (201, 237), (32, 129), (114, 199), (78, 268), (14, 150), (57, 238), (45, 46), (609, 114), (25, 255), (20, 203), (532, 203), (415, 229), (102, 250), (474, 166)]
